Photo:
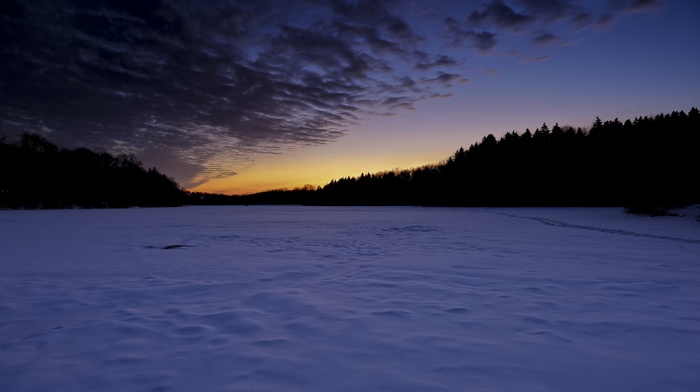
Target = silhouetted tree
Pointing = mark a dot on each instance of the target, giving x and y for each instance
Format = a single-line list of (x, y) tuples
[(645, 164), (35, 173), (648, 161)]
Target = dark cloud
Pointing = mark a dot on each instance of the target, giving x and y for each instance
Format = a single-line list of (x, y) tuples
[(445, 78), (521, 15), (617, 8), (202, 88), (548, 9), (636, 6), (483, 28), (483, 41), (500, 15), (11, 9), (545, 38), (441, 61), (209, 85)]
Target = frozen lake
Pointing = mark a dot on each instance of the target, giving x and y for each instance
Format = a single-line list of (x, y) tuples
[(348, 299)]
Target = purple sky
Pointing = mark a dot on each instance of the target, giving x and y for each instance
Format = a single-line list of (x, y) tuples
[(240, 96)]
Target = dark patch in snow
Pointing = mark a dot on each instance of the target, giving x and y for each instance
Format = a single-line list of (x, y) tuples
[(412, 229), (392, 313), (175, 246), (457, 310), (168, 247)]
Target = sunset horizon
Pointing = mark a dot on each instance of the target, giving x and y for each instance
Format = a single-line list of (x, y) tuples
[(349, 195), (238, 97)]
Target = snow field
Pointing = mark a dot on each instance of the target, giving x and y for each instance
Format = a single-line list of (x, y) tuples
[(348, 299)]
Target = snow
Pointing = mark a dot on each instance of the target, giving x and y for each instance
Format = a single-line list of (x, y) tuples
[(348, 299)]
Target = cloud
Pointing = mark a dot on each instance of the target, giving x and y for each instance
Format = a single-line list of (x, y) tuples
[(203, 88), (483, 41), (548, 9), (446, 78), (636, 6), (210, 85), (494, 24), (616, 9), (500, 15), (545, 38), (441, 61)]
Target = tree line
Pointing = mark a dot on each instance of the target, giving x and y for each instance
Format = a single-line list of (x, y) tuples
[(35, 173), (640, 163), (644, 163)]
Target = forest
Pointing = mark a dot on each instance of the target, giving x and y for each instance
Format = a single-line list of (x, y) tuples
[(35, 173), (645, 163)]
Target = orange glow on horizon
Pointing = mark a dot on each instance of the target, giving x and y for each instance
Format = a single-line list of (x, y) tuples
[(296, 170), (397, 142)]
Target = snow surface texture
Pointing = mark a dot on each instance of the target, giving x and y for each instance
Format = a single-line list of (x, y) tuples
[(348, 299)]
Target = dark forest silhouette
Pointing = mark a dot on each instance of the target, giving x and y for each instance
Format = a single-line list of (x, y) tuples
[(642, 164), (645, 164), (35, 173)]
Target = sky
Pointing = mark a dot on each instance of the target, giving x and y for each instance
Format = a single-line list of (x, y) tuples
[(240, 96)]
